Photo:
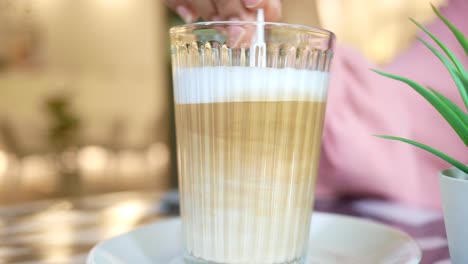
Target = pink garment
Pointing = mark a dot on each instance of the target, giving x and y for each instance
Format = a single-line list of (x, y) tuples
[(363, 103)]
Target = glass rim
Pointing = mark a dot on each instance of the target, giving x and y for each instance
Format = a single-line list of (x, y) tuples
[(309, 29)]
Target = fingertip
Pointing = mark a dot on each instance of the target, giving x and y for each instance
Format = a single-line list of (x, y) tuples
[(273, 16), (253, 4), (249, 16), (185, 14), (236, 35), (273, 11)]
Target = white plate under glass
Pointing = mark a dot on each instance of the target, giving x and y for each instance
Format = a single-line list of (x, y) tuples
[(334, 239)]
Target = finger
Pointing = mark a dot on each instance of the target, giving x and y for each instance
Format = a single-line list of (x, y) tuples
[(254, 4), (205, 8), (229, 9), (273, 10), (184, 9), (187, 14), (235, 36), (239, 36)]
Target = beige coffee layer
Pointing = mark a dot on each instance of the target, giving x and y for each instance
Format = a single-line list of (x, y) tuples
[(247, 171)]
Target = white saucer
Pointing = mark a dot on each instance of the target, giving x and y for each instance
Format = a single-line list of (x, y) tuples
[(333, 239)]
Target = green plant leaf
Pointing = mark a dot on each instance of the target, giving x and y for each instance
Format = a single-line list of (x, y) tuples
[(447, 51), (453, 72), (458, 34), (455, 122), (462, 115), (464, 80), (439, 154)]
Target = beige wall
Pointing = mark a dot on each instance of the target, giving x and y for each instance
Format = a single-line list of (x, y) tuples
[(380, 29), (301, 12), (110, 55)]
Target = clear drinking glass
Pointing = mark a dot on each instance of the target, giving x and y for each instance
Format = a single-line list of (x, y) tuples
[(248, 138)]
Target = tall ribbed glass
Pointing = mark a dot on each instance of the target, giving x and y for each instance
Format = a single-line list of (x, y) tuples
[(248, 138)]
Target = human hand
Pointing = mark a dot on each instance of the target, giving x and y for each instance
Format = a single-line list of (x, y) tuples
[(222, 10)]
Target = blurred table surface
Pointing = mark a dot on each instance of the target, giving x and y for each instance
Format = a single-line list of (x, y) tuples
[(64, 230)]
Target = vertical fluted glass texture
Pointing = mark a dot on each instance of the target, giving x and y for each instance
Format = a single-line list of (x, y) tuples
[(248, 139)]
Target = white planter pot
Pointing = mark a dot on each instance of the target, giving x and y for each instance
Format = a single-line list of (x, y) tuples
[(454, 191)]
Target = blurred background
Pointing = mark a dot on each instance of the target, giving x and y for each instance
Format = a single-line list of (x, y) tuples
[(85, 94)]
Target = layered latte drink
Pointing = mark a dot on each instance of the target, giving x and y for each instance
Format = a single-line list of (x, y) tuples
[(248, 144)]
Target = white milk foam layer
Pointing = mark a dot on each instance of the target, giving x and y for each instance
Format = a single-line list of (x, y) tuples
[(248, 84)]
